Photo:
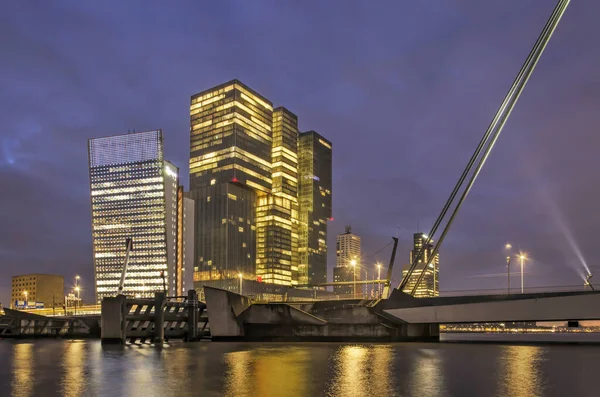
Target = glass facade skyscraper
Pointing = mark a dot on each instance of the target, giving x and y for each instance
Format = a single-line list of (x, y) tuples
[(134, 194), (244, 178), (277, 213), (230, 165), (315, 184), (429, 286)]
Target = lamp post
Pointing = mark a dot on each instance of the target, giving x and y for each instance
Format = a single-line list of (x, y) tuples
[(77, 301), (77, 287), (522, 257), (508, 248), (26, 304), (379, 279), (240, 276), (353, 263)]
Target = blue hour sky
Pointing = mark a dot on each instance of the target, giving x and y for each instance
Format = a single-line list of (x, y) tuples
[(404, 90)]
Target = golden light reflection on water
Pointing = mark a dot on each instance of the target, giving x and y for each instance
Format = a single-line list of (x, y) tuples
[(520, 375), (239, 373), (266, 372), (74, 363), (362, 369), (22, 370)]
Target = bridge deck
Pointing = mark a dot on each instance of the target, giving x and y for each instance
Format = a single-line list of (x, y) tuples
[(559, 306)]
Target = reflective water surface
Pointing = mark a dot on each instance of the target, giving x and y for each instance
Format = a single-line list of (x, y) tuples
[(85, 368)]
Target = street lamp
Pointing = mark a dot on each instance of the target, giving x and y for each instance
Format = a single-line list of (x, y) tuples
[(508, 248), (77, 301), (240, 276), (25, 293), (353, 263), (522, 257), (379, 278)]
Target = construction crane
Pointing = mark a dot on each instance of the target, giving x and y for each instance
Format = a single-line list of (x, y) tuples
[(486, 145), (128, 249)]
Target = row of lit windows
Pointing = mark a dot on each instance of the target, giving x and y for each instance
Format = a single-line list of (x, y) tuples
[(132, 189), (126, 197)]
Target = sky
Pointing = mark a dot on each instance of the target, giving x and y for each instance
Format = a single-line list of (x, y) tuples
[(404, 90)]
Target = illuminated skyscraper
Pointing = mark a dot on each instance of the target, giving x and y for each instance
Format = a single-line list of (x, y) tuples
[(429, 286), (134, 194), (277, 213), (348, 262), (244, 178), (230, 165), (315, 184)]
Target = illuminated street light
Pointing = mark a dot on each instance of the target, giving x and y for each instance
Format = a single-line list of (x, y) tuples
[(508, 248), (353, 263), (240, 276), (25, 293), (522, 257), (379, 278)]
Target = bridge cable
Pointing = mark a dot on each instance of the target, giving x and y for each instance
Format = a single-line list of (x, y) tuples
[(496, 126)]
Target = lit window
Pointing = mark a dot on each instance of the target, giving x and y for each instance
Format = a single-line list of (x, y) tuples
[(213, 181)]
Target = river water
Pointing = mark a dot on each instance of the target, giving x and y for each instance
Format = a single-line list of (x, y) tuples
[(85, 368)]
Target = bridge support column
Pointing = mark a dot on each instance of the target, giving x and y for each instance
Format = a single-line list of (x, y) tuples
[(192, 315), (160, 300), (112, 320)]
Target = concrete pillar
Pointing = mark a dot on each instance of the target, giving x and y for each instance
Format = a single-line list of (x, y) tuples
[(192, 315), (112, 319), (160, 300)]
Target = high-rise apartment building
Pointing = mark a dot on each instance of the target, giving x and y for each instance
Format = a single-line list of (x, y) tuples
[(135, 194), (244, 178), (347, 248), (429, 285), (315, 184), (348, 263)]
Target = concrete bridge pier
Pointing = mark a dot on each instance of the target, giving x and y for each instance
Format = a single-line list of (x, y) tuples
[(112, 322), (192, 314)]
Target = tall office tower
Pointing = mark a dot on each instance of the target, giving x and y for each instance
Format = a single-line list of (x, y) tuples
[(429, 286), (185, 242), (230, 165), (314, 164), (348, 263), (277, 213), (134, 194)]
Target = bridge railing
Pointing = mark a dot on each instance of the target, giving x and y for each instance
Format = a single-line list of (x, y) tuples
[(517, 290)]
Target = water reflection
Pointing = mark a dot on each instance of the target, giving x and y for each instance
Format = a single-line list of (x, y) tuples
[(237, 377), (74, 377), (520, 371), (49, 368), (427, 376), (266, 372), (22, 370), (361, 369)]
